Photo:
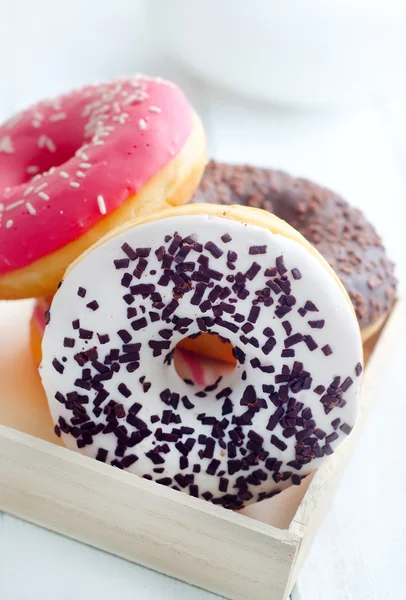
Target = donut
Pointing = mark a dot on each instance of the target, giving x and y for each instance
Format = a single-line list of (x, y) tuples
[(193, 360), (235, 272), (345, 238), (76, 166)]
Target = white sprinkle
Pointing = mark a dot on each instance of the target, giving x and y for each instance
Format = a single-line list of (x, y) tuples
[(43, 195), (32, 169), (9, 223), (102, 109), (132, 98), (98, 143), (138, 96), (154, 109), (56, 104), (74, 184), (45, 142), (117, 107), (37, 177), (14, 205), (84, 165), (64, 174), (30, 208), (1, 207), (13, 121), (28, 190), (57, 117), (36, 124), (40, 187), (51, 170), (102, 205), (122, 118), (80, 174), (142, 124), (6, 145)]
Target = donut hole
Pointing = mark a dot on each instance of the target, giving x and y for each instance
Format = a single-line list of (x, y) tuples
[(201, 359), (42, 162)]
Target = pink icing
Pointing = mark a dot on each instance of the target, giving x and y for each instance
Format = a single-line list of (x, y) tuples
[(194, 364), (67, 162), (40, 306)]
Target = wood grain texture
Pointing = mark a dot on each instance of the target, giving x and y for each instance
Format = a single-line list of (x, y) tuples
[(138, 520)]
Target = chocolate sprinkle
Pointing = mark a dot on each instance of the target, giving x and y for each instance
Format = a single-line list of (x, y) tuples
[(121, 263), (346, 429), (341, 233), (57, 366), (85, 334), (258, 250), (278, 443), (317, 324), (126, 248), (101, 455), (93, 305), (213, 249), (225, 440), (139, 324)]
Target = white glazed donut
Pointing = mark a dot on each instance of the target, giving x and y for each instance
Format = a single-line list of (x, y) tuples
[(238, 272)]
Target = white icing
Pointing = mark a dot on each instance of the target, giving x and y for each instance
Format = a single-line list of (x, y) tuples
[(102, 281)]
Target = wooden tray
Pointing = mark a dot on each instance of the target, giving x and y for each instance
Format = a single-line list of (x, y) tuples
[(257, 554)]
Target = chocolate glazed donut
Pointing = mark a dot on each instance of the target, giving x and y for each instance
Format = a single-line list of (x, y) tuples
[(348, 242)]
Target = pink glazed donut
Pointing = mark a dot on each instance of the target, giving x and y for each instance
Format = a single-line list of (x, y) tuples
[(75, 167)]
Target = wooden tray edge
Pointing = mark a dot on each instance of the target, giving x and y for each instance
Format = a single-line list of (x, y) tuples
[(179, 535), (326, 479)]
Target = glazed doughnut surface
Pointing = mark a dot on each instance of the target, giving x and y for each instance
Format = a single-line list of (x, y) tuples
[(67, 162), (114, 393), (341, 233)]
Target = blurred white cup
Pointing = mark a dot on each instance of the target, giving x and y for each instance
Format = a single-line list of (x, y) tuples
[(306, 52)]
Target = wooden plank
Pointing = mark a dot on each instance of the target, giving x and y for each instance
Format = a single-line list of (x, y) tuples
[(158, 527), (325, 481)]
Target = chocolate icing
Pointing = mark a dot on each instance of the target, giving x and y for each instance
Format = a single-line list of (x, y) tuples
[(348, 242)]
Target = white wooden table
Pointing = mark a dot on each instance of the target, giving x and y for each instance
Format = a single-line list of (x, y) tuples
[(360, 549)]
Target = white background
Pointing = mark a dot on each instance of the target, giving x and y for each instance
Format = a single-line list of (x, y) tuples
[(46, 47)]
